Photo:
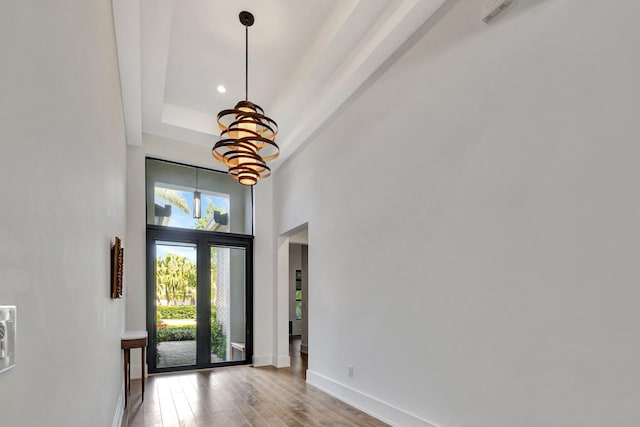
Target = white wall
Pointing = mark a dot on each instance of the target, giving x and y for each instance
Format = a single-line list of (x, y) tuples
[(63, 171), (264, 277), (136, 252), (135, 262), (474, 219), (174, 150)]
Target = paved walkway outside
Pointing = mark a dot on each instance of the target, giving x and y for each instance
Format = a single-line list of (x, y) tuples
[(178, 353)]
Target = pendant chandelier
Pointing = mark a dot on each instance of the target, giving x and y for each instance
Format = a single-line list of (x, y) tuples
[(247, 136)]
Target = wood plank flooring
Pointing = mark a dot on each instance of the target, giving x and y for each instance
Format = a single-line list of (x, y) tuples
[(239, 397)]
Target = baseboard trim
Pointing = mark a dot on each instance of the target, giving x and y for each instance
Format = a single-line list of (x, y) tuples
[(281, 361), (259, 361), (117, 417), (304, 349), (277, 361), (368, 404)]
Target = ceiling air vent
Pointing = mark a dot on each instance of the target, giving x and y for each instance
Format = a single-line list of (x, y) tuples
[(493, 8)]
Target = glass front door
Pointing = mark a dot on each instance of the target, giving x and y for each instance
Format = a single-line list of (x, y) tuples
[(199, 305), (176, 298), (228, 326)]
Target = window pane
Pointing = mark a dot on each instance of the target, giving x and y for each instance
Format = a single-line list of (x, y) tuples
[(228, 326), (298, 295), (214, 209), (175, 304), (298, 310), (225, 205)]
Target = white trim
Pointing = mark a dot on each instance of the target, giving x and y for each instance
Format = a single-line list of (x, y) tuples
[(304, 348), (259, 361), (126, 20), (281, 361), (117, 417), (281, 347), (376, 408)]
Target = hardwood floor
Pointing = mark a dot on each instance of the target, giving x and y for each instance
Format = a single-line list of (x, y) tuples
[(239, 396)]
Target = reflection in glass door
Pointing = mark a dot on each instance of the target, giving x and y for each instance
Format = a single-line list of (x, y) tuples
[(228, 320), (176, 304)]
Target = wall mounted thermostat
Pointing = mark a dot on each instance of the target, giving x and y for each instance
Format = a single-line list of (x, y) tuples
[(493, 8), (7, 337)]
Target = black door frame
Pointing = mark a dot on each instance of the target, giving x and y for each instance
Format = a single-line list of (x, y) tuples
[(201, 239)]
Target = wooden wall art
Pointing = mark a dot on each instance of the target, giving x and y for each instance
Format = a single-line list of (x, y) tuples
[(117, 265)]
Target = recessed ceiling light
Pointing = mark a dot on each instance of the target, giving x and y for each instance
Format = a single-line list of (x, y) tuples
[(222, 89)]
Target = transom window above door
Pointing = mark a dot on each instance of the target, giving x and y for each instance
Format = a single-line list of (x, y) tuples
[(175, 207), (183, 196)]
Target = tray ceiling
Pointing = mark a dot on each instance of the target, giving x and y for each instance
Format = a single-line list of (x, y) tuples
[(306, 57)]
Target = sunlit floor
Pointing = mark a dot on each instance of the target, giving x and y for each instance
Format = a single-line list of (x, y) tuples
[(239, 396)]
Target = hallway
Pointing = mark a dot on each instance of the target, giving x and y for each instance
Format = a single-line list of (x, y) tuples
[(240, 396)]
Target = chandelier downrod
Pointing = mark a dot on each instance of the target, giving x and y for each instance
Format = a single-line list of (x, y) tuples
[(246, 63), (246, 19)]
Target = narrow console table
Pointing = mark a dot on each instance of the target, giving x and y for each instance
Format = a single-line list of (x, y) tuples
[(132, 339)]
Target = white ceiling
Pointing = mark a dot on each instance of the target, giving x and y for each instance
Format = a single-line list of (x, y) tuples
[(306, 57)]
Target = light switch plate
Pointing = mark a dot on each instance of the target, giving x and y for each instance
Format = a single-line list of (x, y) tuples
[(7, 337)]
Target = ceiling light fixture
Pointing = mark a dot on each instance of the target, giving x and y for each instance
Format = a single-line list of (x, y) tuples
[(247, 137), (221, 89)]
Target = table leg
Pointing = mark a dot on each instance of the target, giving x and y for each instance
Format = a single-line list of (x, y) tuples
[(142, 368), (126, 377)]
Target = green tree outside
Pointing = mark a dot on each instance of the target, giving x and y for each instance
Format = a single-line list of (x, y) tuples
[(176, 286), (175, 280)]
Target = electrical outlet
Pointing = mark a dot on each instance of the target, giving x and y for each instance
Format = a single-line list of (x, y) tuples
[(350, 370)]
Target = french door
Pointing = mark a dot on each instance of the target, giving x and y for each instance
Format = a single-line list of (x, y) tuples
[(199, 299)]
